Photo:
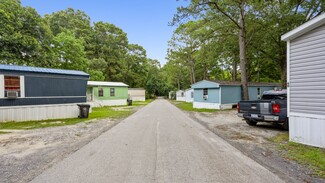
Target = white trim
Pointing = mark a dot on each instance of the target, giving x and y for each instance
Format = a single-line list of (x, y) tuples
[(102, 83), (2, 86), (22, 86), (31, 106), (217, 84), (306, 27), (307, 115), (288, 78), (206, 105), (115, 102)]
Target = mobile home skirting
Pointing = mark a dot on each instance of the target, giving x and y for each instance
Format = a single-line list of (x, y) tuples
[(38, 112), (100, 103)]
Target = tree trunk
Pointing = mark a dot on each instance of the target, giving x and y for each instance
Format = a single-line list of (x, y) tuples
[(283, 69), (242, 52), (234, 70)]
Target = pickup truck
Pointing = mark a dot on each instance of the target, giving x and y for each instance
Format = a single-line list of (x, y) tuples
[(272, 107)]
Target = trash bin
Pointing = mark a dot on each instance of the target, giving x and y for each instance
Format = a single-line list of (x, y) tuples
[(129, 102), (83, 110)]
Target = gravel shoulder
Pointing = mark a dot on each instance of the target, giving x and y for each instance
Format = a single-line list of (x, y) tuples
[(254, 142), (27, 153)]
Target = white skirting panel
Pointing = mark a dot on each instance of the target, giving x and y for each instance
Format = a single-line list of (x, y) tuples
[(307, 130), (204, 105), (139, 98), (100, 103), (180, 99), (226, 106), (38, 112)]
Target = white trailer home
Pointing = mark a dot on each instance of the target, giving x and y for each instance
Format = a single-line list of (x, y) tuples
[(189, 95), (306, 82), (180, 95)]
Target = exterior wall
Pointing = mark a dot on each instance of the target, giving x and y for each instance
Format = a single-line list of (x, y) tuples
[(307, 73), (38, 112), (307, 130), (213, 95), (137, 94), (188, 95), (120, 93), (230, 94), (205, 105), (252, 91), (39, 89), (179, 96), (306, 77)]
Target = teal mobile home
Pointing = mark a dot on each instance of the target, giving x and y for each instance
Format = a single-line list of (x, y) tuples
[(225, 94)]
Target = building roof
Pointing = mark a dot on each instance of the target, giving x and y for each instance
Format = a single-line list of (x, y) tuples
[(104, 83), (18, 68), (217, 84), (304, 28), (136, 89)]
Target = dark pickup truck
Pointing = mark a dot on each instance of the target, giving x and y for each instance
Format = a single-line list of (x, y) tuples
[(271, 108)]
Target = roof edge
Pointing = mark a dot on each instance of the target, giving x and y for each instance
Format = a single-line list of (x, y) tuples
[(304, 28)]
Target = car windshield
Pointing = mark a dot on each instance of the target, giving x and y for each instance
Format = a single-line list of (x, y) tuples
[(273, 97)]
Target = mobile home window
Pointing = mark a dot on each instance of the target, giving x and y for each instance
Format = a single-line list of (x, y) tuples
[(192, 94), (112, 92), (100, 92), (205, 91), (12, 84), (182, 94), (258, 93)]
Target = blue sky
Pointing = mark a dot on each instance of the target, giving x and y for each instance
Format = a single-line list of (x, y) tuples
[(144, 21)]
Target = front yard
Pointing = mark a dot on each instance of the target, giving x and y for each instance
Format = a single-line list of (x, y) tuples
[(33, 146), (266, 143)]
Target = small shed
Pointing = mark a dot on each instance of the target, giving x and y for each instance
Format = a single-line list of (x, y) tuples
[(306, 82), (180, 95), (225, 94), (33, 93), (137, 94), (189, 95), (100, 93)]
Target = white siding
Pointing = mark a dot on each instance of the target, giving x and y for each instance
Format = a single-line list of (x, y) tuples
[(307, 73), (137, 94), (38, 112), (189, 95)]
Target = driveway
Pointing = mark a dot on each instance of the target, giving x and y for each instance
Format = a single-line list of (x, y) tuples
[(159, 143)]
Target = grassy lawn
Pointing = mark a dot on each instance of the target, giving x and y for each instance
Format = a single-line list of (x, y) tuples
[(97, 113), (186, 106), (303, 154), (142, 103)]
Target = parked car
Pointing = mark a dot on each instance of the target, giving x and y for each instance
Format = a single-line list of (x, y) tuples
[(272, 107)]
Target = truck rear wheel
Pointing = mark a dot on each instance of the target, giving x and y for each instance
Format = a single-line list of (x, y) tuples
[(285, 125), (251, 123)]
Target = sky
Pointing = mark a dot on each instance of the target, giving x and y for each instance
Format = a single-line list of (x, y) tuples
[(144, 21)]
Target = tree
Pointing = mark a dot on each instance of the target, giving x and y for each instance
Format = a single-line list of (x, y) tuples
[(70, 52)]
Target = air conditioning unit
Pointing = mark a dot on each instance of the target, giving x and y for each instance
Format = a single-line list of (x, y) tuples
[(12, 94), (205, 97)]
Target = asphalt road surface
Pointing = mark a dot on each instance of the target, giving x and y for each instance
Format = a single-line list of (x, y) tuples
[(159, 143)]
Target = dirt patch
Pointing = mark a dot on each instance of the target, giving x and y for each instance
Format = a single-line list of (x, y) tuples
[(254, 142), (26, 154)]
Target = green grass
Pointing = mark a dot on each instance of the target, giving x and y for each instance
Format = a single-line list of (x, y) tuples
[(303, 154), (186, 106), (97, 113), (142, 103), (4, 132)]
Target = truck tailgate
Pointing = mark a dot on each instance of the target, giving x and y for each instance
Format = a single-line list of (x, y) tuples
[(256, 107)]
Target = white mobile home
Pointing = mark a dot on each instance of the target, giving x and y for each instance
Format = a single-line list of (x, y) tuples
[(180, 95), (137, 94), (189, 95), (306, 82)]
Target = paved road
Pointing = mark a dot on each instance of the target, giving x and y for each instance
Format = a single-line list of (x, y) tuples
[(159, 143)]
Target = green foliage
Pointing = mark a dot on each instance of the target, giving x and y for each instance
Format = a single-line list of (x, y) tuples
[(206, 39), (186, 106), (66, 39)]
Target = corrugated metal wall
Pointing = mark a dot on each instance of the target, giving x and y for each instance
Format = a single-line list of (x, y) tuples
[(307, 73)]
